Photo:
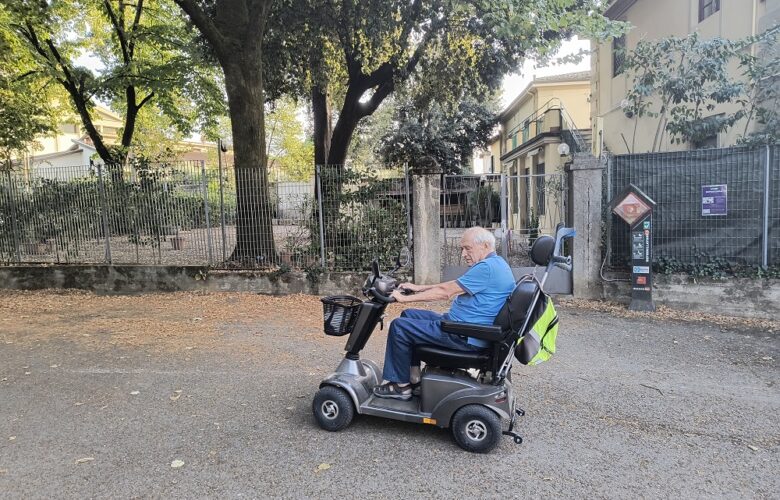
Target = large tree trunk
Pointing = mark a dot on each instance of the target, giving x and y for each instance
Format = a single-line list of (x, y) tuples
[(254, 229), (320, 106)]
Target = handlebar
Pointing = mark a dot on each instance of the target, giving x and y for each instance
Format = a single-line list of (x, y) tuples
[(385, 299), (562, 262)]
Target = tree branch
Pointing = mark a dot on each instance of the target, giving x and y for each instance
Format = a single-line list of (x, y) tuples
[(259, 17), (136, 22), (145, 100), (120, 30), (384, 90), (419, 51), (206, 26)]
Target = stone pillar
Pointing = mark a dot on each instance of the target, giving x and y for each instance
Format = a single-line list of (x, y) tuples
[(426, 220), (585, 187)]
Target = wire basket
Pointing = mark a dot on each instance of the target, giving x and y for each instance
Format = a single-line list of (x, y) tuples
[(340, 313)]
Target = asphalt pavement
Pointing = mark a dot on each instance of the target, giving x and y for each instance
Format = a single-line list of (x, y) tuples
[(627, 408)]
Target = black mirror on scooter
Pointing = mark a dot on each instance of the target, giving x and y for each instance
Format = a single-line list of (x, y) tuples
[(375, 268)]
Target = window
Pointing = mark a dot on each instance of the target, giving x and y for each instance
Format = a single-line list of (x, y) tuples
[(618, 55), (515, 201), (492, 164), (709, 142), (708, 8), (540, 202), (707, 131)]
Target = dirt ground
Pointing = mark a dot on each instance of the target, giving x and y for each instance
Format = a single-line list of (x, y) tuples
[(209, 395)]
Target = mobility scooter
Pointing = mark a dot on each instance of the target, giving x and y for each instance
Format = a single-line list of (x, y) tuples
[(469, 392)]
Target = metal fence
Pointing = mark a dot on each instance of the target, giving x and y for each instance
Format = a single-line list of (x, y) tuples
[(519, 207), (713, 206), (194, 213)]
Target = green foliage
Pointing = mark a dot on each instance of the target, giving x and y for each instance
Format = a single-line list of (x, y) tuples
[(763, 105), (147, 53), (25, 110), (682, 81), (314, 274), (447, 136), (279, 274), (533, 226), (288, 149), (357, 53), (363, 219), (707, 266), (161, 201), (484, 205)]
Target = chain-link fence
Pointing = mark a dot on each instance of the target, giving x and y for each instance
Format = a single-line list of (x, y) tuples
[(714, 206), (193, 213)]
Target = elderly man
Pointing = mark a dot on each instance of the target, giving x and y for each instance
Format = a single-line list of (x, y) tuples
[(479, 295)]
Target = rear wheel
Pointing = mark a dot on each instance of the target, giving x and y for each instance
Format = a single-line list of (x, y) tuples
[(333, 408), (476, 428)]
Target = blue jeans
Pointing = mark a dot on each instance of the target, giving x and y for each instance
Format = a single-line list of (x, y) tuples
[(416, 327)]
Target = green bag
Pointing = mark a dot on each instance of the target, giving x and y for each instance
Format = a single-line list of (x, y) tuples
[(538, 343)]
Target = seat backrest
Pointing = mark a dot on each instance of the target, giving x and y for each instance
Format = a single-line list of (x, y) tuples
[(512, 315)]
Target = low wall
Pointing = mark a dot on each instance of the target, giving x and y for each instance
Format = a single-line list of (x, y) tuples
[(137, 279), (752, 298)]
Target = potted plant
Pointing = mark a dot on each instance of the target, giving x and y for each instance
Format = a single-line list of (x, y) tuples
[(177, 241)]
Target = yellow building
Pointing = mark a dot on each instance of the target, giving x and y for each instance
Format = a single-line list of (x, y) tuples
[(71, 147), (652, 20), (539, 130)]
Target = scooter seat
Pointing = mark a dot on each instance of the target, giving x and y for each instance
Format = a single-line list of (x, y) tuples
[(448, 358)]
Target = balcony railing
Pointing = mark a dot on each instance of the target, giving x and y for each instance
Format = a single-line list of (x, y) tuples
[(552, 117)]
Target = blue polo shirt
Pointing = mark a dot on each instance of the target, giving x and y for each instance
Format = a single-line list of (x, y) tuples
[(487, 284)]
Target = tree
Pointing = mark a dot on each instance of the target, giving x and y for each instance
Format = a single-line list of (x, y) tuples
[(435, 132), (763, 103), (234, 31), (288, 149), (146, 53), (681, 80), (360, 52), (23, 114)]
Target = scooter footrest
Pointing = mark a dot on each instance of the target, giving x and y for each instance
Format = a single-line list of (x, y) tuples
[(517, 437)]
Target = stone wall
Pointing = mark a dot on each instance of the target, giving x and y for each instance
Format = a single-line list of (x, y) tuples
[(751, 298), (137, 279)]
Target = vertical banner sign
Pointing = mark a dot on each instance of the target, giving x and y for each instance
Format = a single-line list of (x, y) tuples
[(636, 208), (714, 200)]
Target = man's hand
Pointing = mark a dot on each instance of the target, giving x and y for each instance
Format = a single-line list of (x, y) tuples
[(399, 297), (412, 287)]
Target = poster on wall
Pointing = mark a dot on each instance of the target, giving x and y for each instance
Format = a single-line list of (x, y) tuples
[(714, 200)]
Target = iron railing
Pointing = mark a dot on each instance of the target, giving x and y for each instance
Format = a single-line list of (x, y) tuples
[(196, 213)]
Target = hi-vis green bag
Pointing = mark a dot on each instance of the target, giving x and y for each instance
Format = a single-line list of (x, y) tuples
[(538, 343)]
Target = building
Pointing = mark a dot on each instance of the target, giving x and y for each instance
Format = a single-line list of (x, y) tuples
[(652, 20), (66, 154), (539, 130)]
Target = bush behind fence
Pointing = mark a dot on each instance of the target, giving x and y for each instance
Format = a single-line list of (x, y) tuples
[(185, 213)]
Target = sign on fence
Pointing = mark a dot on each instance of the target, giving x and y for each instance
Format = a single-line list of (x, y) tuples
[(714, 200)]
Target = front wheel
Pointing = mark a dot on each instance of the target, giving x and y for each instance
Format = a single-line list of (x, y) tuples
[(476, 428), (333, 408)]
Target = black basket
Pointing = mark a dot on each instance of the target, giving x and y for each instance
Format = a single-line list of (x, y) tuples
[(340, 313)]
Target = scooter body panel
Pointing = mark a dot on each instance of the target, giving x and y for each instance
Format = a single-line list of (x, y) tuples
[(357, 377), (443, 393)]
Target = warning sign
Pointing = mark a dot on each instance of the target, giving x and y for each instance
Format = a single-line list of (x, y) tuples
[(631, 209)]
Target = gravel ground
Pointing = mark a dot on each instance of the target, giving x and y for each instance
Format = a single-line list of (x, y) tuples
[(103, 396)]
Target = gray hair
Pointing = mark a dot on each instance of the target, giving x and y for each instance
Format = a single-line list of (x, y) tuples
[(480, 236)]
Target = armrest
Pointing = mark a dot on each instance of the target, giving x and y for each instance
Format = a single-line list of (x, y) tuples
[(492, 333)]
